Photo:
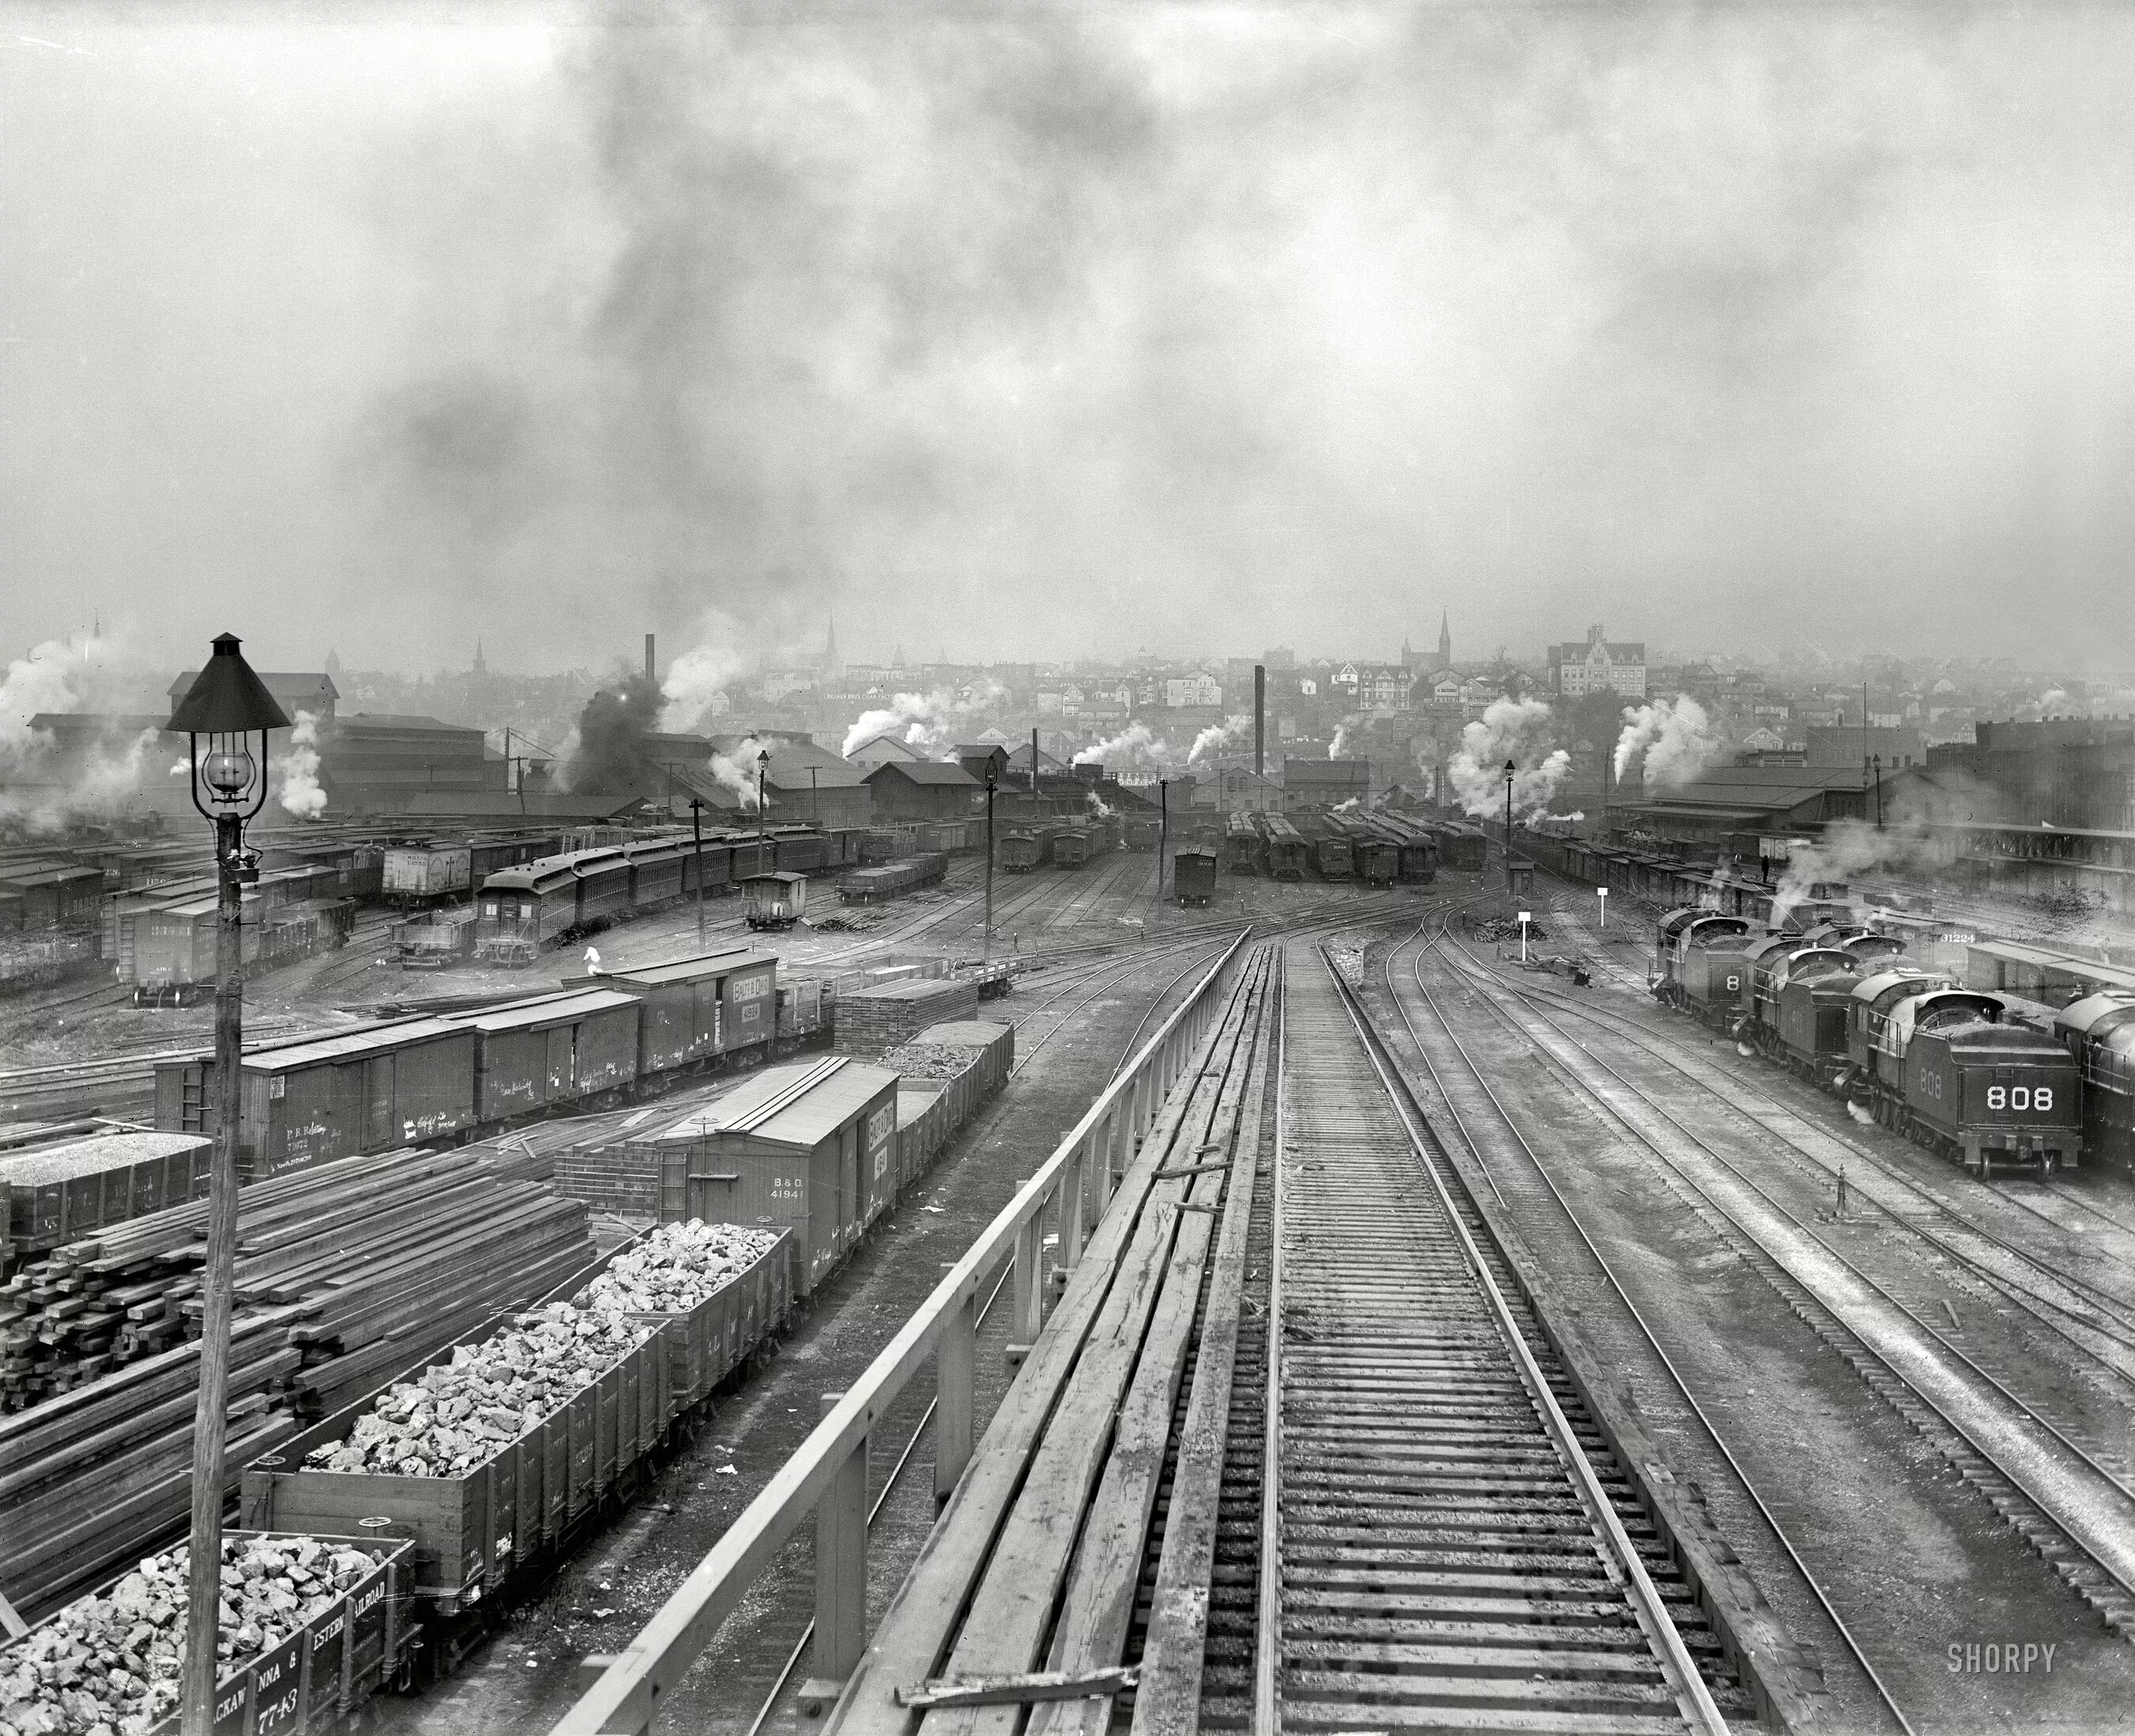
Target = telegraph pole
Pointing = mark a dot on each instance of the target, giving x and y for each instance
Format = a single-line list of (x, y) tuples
[(1163, 830), (986, 945)]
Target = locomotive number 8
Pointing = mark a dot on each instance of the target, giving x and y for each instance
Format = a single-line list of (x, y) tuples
[(2016, 1097)]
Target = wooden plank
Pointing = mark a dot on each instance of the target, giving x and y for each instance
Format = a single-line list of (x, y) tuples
[(1016, 1598), (913, 1634), (1168, 1701), (1017, 1690)]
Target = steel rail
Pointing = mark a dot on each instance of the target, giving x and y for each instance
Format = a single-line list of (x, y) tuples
[(1616, 1283), (631, 1691), (2091, 1559), (1694, 1699)]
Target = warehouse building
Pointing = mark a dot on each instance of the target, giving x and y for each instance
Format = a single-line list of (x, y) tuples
[(927, 789)]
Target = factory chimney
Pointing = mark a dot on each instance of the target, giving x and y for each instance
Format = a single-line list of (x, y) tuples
[(1033, 764), (652, 675), (1259, 720)]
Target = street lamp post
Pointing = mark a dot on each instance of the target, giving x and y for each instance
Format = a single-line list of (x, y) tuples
[(697, 839), (1876, 760), (1511, 771), (986, 944), (226, 704)]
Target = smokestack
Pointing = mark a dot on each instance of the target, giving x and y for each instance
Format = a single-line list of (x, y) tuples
[(1033, 762), (1259, 720), (650, 674)]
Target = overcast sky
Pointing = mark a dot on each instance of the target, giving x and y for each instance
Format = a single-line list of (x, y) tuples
[(1199, 328)]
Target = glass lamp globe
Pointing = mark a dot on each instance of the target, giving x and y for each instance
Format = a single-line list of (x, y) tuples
[(228, 772)]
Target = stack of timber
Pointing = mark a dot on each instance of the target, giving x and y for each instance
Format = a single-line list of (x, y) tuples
[(345, 1273), (871, 1020)]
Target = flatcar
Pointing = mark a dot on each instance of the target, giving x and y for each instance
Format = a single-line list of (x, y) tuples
[(1194, 876), (1245, 851)]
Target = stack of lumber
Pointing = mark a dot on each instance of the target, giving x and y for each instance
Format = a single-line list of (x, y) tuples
[(873, 1019), (97, 1475), (347, 1274)]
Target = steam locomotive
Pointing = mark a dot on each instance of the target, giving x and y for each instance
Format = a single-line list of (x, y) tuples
[(1976, 1076)]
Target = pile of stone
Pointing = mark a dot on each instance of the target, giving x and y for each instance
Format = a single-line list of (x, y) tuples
[(112, 1664), (676, 1266), (457, 1413)]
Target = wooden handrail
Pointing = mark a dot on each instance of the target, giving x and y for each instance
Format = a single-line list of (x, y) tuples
[(629, 1693)]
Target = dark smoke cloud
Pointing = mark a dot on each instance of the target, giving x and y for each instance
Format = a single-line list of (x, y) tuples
[(609, 755), (1026, 331)]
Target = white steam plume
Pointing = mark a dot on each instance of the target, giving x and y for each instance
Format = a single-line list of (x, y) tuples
[(1232, 729), (929, 720), (97, 674), (736, 771), (1340, 745), (697, 679), (1518, 730), (1676, 737), (1135, 748), (299, 766), (1850, 848)]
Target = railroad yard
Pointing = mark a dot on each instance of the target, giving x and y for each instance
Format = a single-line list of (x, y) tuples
[(1625, 1378), (976, 871)]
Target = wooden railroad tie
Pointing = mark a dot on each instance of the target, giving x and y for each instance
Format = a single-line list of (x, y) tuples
[(1166, 1175)]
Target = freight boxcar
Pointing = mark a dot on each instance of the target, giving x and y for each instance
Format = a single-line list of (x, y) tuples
[(808, 1147), (2098, 1031), (1194, 876), (1072, 847), (552, 1050), (1022, 851), (303, 1103), (800, 852), (693, 1009), (1976, 1090), (1142, 834), (424, 872)]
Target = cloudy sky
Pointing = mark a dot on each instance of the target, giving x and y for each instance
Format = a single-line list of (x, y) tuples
[(1020, 333)]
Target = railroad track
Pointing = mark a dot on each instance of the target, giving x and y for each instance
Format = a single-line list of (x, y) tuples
[(1444, 1537), (2097, 1324), (2066, 1487)]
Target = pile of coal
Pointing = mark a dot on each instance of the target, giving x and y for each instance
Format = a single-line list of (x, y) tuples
[(109, 1665), (677, 1266), (457, 1413)]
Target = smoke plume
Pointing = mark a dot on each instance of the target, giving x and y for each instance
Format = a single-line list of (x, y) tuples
[(1850, 848), (928, 721), (736, 770), (1340, 745), (1676, 739), (608, 756), (697, 679), (1518, 730), (1235, 728), (299, 766), (40, 787), (1136, 749)]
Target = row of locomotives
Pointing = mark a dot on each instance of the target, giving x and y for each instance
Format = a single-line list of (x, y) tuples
[(1969, 1074), (1194, 876), (1245, 851), (2098, 1032)]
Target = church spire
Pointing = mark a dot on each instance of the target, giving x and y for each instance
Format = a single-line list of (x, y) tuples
[(480, 668), (1444, 637)]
